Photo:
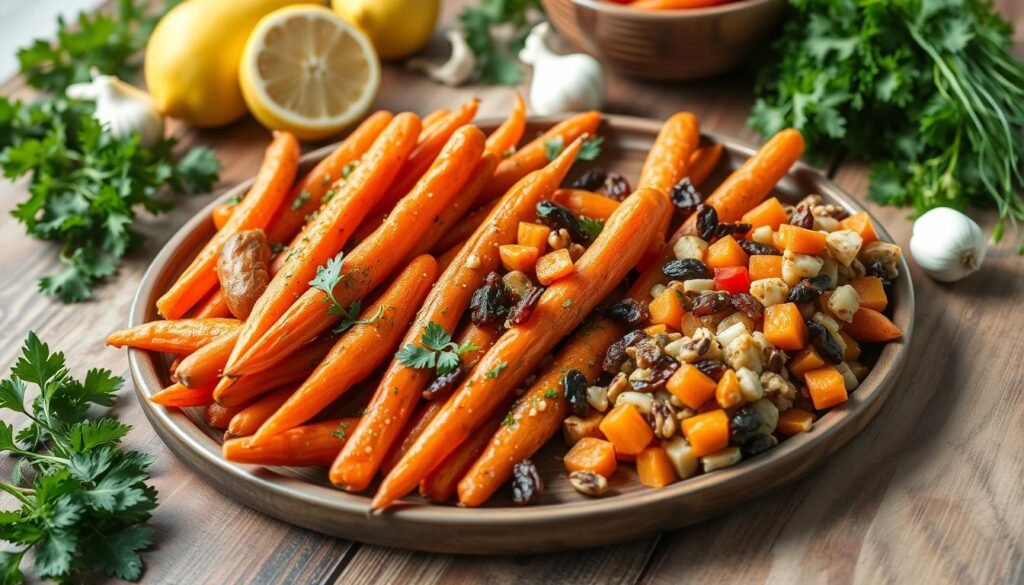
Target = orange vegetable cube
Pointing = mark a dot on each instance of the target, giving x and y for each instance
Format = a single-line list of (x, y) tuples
[(770, 213), (592, 455), (726, 253), (668, 308), (860, 223), (655, 468), (784, 326), (575, 428), (553, 266), (871, 292), (852, 351), (627, 457), (800, 240), (872, 326), (764, 266), (708, 432), (626, 428), (653, 330), (826, 387), (806, 360), (516, 257), (533, 234), (691, 386), (793, 421), (727, 393)]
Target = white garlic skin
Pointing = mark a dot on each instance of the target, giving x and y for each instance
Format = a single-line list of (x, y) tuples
[(947, 244), (122, 108), (561, 83), (456, 70)]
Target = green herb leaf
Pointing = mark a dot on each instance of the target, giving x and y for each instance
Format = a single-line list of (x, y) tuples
[(591, 148), (496, 370), (590, 228), (437, 350), (551, 394), (554, 147), (495, 52)]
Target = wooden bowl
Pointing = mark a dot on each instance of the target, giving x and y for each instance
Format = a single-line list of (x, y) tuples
[(564, 519), (668, 45)]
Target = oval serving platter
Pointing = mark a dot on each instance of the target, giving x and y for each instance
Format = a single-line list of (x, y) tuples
[(564, 519)]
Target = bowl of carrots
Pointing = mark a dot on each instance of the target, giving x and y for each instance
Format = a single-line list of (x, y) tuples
[(668, 40), (504, 344)]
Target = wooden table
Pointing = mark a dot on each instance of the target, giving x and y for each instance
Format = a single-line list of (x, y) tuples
[(931, 492)]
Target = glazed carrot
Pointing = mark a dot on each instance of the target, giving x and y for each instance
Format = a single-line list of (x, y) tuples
[(206, 365), (464, 228), (674, 4), (180, 337), (666, 164), (519, 351), (179, 396), (588, 203), (506, 137), (311, 445), (219, 417), (373, 260), (513, 443), (533, 156), (872, 326), (445, 306), (358, 351), (703, 162), (442, 482), (249, 419), (296, 369), (448, 217), (328, 232), (221, 214), (268, 191), (434, 117), (445, 260), (213, 307)]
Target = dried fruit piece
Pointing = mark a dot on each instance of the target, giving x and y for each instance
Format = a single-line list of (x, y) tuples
[(710, 303), (685, 269), (808, 289), (877, 268), (685, 196), (490, 302), (660, 373), (558, 217), (616, 353), (822, 340), (521, 312), (591, 180), (759, 443), (729, 229), (629, 311), (744, 425), (575, 384), (707, 222), (753, 248), (713, 369), (527, 486), (616, 186), (803, 217), (747, 304)]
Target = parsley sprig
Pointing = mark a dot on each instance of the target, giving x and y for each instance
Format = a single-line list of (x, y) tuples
[(437, 351), (84, 501), (329, 276), (590, 150), (590, 227), (496, 53)]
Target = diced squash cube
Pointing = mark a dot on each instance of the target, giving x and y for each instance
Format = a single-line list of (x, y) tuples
[(871, 292), (553, 266), (668, 309), (805, 360), (860, 223), (784, 326), (591, 454), (691, 386), (724, 253), (800, 240), (626, 428), (516, 257), (533, 234), (769, 213), (793, 421), (707, 432), (575, 428), (654, 468), (727, 392), (764, 266), (826, 387)]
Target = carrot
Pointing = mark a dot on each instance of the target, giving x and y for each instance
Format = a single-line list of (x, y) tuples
[(442, 482), (327, 234), (724, 253), (707, 432), (445, 305), (674, 4), (435, 117), (533, 156), (826, 387), (445, 260), (179, 396), (666, 164), (518, 352), (784, 326), (179, 337), (205, 365), (215, 306), (871, 326), (373, 260), (219, 417), (590, 454), (296, 369), (221, 214), (588, 203), (505, 137), (311, 445), (703, 162), (626, 428), (464, 228), (249, 419), (268, 191), (358, 351), (513, 443)]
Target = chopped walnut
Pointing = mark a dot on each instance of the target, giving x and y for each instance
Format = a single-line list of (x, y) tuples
[(779, 390), (744, 352)]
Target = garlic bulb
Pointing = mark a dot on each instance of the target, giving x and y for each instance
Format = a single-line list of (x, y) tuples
[(561, 83), (947, 244), (121, 108), (456, 70)]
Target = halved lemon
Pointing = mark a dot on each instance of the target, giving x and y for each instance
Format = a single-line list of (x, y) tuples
[(307, 71)]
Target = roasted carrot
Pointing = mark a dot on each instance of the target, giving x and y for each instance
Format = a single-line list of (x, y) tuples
[(206, 365), (590, 204), (179, 337), (389, 410), (181, 397), (359, 351), (327, 234), (269, 190), (627, 233), (219, 416), (373, 260), (529, 432), (249, 419), (505, 137), (703, 162), (296, 369), (445, 259), (533, 156), (311, 445), (434, 117), (463, 228), (221, 214), (214, 306), (444, 221), (442, 482), (666, 164), (872, 326)]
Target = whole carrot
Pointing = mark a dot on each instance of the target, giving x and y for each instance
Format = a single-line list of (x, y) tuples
[(179, 337), (482, 173), (434, 117), (270, 188), (445, 259), (248, 420), (373, 260), (206, 365), (359, 351), (296, 369), (221, 214), (179, 396), (463, 228), (666, 164), (390, 409), (442, 482), (214, 306), (703, 162), (588, 203), (219, 416), (626, 234), (311, 445), (505, 137)]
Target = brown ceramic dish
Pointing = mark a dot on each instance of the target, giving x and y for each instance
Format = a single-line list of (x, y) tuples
[(668, 45), (564, 519)]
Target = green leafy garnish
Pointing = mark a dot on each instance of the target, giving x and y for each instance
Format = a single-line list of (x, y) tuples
[(566, 303), (327, 278), (437, 350), (86, 503), (509, 420), (301, 200), (347, 170), (496, 370), (551, 394), (590, 227), (554, 147), (342, 430), (590, 150), (496, 57)]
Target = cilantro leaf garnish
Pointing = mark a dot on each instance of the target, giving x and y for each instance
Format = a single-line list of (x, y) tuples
[(495, 53), (590, 228), (327, 278), (436, 350), (496, 370), (590, 150)]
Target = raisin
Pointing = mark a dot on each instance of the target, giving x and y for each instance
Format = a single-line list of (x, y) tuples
[(759, 443), (444, 384), (616, 186), (758, 249), (747, 304), (823, 341), (575, 384), (616, 353), (707, 221), (629, 311), (646, 352), (660, 373), (558, 217), (710, 303), (685, 196), (713, 369), (744, 425), (685, 269), (521, 312), (877, 268), (808, 289), (591, 180), (527, 485), (728, 229), (776, 360), (803, 217), (489, 302)]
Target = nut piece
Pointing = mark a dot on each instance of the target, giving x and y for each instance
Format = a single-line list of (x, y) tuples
[(744, 352), (597, 398), (662, 420), (884, 252), (698, 285), (589, 483), (689, 247), (770, 291), (844, 302), (844, 245), (619, 384), (849, 378), (243, 268), (779, 390), (721, 459), (797, 266), (680, 453), (824, 223), (559, 239), (750, 385), (642, 401)]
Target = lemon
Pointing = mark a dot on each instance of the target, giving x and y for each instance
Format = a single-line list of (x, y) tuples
[(307, 71), (398, 28)]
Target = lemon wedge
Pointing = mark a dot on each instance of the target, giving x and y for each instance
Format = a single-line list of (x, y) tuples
[(307, 71)]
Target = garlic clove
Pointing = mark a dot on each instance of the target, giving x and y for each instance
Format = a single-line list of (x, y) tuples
[(456, 70), (561, 83), (121, 108), (947, 244)]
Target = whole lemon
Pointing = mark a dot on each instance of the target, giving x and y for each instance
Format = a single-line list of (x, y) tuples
[(191, 63), (397, 28)]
